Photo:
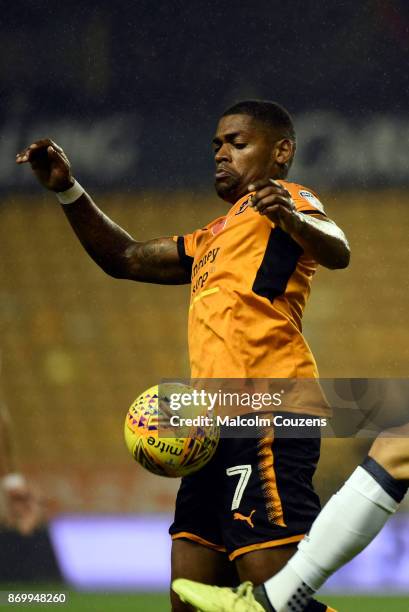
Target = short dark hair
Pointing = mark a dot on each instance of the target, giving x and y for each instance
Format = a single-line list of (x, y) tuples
[(270, 113)]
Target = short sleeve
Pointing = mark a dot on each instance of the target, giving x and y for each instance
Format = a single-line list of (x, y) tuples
[(305, 200), (185, 259), (186, 246)]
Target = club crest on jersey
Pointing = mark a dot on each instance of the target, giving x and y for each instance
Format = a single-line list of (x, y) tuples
[(243, 206), (307, 195)]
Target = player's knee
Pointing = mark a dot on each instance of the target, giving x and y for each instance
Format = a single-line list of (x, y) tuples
[(259, 565), (392, 453)]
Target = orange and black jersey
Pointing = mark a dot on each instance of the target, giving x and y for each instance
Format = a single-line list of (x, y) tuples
[(249, 286)]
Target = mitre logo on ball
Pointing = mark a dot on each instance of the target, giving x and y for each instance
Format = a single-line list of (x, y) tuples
[(151, 441)]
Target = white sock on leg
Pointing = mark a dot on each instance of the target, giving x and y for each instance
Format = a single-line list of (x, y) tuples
[(346, 525)]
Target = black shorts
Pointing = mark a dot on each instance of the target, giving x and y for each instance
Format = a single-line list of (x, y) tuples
[(255, 493)]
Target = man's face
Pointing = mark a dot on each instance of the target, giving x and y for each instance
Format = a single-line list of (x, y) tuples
[(243, 152)]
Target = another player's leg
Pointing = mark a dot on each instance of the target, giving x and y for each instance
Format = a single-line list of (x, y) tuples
[(391, 450), (348, 523)]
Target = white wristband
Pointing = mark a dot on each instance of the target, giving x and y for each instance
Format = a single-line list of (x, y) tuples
[(13, 481), (70, 195)]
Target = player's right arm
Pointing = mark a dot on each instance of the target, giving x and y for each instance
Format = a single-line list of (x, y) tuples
[(110, 246)]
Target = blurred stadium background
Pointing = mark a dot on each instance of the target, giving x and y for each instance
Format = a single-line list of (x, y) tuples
[(132, 92)]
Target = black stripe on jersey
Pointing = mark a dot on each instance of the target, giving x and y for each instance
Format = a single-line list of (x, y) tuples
[(185, 260), (279, 262)]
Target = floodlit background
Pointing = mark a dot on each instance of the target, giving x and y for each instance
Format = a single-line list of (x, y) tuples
[(133, 91)]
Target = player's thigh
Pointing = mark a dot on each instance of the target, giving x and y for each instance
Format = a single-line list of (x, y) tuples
[(391, 450), (268, 496), (196, 562), (260, 565)]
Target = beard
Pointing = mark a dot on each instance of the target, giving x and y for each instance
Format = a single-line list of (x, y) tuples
[(228, 188)]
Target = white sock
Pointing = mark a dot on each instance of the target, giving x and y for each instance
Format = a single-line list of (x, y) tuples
[(345, 526)]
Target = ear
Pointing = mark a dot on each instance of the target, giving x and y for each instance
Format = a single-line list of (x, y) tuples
[(283, 151)]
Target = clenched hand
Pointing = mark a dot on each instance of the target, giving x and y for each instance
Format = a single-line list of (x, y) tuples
[(49, 164), (275, 202)]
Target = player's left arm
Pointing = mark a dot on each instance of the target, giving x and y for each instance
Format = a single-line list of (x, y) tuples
[(319, 236)]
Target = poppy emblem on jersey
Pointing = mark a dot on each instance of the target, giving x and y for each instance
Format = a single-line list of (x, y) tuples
[(219, 226), (237, 516)]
